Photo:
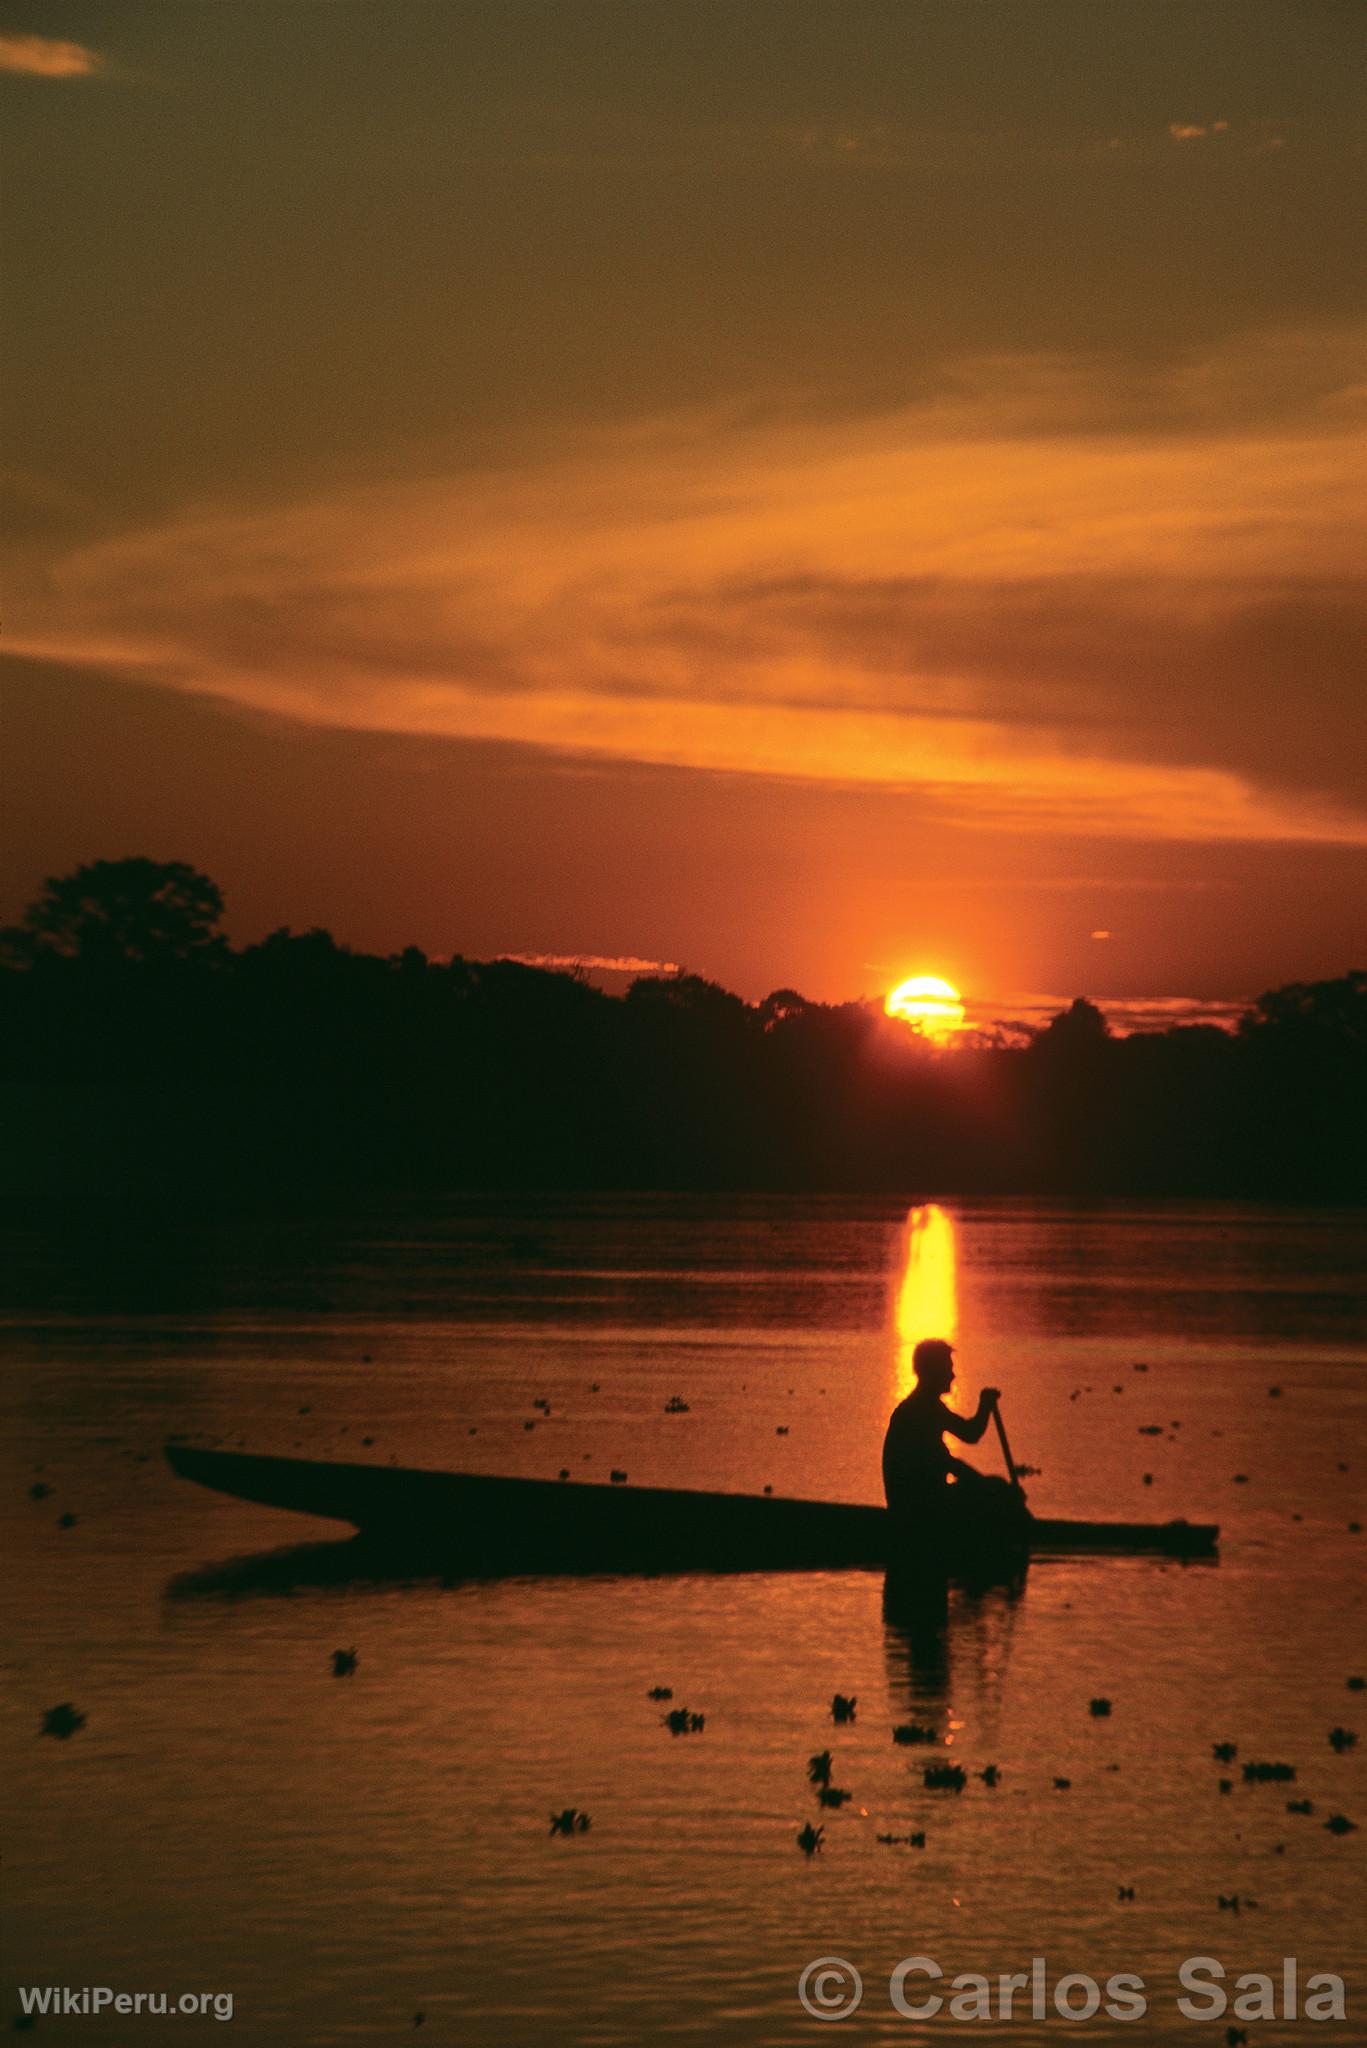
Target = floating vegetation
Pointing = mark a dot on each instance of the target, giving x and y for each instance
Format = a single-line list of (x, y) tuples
[(344, 1662), (62, 1720), (1099, 1709), (834, 1795), (1268, 1774), (916, 1841), (944, 1777), (1339, 1824), (679, 1721), (809, 1839), (1300, 1806), (1356, 1684), (676, 1405), (1226, 1784), (570, 1821), (66, 1521), (1125, 1893), (990, 1775), (40, 1490), (617, 1476), (1341, 1739), (660, 1692), (819, 1767), (1224, 1752), (1062, 1784), (908, 1732), (843, 1708)]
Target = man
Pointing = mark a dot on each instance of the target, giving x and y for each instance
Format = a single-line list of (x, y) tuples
[(917, 1466)]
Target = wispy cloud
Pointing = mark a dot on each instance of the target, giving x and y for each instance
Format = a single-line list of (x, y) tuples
[(1032, 613), (42, 57), (1196, 131), (595, 963), (1124, 1014)]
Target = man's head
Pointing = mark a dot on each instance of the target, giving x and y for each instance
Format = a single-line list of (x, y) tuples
[(933, 1363)]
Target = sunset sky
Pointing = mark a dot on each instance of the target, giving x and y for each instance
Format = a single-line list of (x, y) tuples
[(815, 492)]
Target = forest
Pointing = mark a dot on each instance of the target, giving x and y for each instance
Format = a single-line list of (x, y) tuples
[(147, 1064)]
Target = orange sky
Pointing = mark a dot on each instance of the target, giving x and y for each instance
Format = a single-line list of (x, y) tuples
[(885, 497)]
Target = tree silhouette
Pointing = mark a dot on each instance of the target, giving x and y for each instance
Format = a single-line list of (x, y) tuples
[(1080, 1029), (781, 1006), (300, 1071), (1319, 1016), (116, 912)]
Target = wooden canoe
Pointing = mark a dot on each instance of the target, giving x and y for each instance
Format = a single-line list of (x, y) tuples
[(484, 1524)]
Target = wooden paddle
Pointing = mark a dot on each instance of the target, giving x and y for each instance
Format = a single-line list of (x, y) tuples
[(1006, 1448)]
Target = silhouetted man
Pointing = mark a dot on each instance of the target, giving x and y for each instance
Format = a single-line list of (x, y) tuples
[(917, 1466)]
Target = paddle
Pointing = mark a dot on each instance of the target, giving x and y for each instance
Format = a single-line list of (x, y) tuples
[(1006, 1448)]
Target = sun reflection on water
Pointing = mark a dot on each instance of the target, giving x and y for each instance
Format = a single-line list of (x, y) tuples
[(927, 1295)]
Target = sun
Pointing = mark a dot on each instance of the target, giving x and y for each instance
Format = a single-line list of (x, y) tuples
[(929, 1003)]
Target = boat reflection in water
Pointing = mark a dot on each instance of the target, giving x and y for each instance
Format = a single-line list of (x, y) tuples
[(302, 1567), (939, 1643)]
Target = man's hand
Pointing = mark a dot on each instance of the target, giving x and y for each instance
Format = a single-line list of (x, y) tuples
[(989, 1397)]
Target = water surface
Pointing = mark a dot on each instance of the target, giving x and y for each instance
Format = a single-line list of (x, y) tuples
[(344, 1853)]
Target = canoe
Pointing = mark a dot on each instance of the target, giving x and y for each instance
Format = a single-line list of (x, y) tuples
[(482, 1524)]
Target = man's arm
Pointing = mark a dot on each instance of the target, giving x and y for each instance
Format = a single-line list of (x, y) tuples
[(971, 1429)]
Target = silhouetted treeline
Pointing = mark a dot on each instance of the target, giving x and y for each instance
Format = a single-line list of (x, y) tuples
[(142, 1059)]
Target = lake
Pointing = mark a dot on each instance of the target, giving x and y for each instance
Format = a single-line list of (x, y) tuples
[(344, 1854)]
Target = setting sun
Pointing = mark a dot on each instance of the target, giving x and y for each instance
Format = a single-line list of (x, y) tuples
[(928, 1002)]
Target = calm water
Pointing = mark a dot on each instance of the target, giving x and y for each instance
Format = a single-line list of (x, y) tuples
[(342, 1854)]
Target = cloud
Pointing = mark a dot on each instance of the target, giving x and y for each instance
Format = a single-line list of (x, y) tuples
[(1124, 1014), (1035, 611), (1196, 131), (42, 57), (1259, 673), (595, 963)]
